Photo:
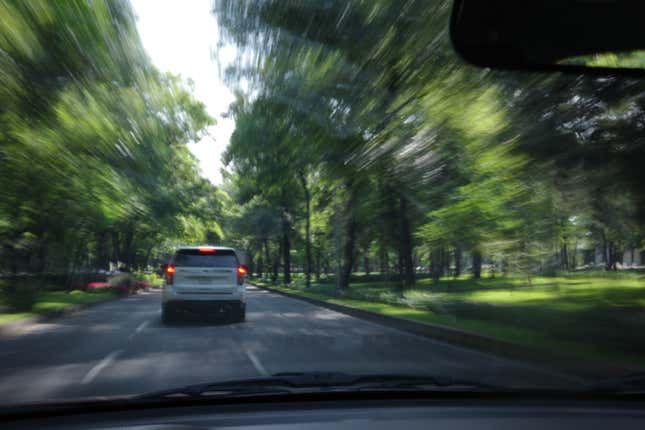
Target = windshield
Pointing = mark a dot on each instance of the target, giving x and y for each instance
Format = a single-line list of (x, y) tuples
[(393, 209)]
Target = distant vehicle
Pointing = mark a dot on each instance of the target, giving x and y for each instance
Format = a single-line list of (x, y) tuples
[(204, 280)]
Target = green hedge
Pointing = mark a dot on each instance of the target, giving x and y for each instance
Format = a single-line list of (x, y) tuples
[(20, 292)]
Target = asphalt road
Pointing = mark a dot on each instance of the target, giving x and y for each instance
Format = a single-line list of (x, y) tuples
[(120, 347)]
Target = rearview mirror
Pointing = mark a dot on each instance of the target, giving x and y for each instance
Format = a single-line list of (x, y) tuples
[(550, 34)]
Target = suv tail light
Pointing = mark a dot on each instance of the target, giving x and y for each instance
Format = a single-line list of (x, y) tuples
[(241, 272), (169, 274)]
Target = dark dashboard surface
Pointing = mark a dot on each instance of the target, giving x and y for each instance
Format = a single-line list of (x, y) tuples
[(381, 414)]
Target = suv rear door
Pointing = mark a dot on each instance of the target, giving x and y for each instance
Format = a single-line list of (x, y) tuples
[(205, 270)]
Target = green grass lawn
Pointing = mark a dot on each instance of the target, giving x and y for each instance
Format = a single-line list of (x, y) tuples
[(595, 315), (9, 317), (53, 300)]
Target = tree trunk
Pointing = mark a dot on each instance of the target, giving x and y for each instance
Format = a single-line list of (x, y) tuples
[(347, 257), (276, 264), (308, 264), (128, 248), (42, 253), (116, 247), (267, 259), (148, 252), (14, 264), (399, 263), (436, 265), (609, 252), (317, 273), (564, 256), (260, 266), (78, 253), (477, 264), (605, 250), (613, 256), (366, 264), (383, 261), (286, 252), (274, 274), (325, 266), (406, 243), (251, 265), (457, 262), (445, 260)]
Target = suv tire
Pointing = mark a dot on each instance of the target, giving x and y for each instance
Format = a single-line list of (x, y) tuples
[(239, 313), (168, 316)]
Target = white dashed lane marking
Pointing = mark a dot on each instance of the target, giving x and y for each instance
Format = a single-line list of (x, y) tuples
[(138, 330), (94, 371), (142, 326), (256, 363)]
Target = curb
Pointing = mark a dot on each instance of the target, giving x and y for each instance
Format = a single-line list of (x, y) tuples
[(10, 328), (482, 343)]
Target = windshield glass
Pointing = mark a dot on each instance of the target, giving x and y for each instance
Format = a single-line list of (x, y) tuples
[(493, 220)]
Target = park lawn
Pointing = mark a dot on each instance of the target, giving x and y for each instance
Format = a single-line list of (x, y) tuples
[(54, 300), (599, 315), (9, 317)]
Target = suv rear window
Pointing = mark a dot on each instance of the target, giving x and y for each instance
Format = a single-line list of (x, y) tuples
[(195, 258)]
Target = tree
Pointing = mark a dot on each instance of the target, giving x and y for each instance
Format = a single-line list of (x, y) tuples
[(94, 169), (425, 154)]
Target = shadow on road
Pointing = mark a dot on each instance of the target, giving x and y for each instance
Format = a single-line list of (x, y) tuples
[(196, 320)]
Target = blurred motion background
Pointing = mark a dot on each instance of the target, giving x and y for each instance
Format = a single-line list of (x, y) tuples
[(368, 163), (95, 168)]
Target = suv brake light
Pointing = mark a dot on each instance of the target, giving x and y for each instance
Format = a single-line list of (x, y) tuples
[(169, 274), (241, 272)]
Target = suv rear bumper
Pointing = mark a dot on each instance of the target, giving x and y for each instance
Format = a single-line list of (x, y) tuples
[(236, 294)]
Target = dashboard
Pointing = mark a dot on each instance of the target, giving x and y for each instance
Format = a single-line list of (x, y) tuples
[(373, 415)]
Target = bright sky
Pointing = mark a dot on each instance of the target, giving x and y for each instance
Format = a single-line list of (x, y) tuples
[(180, 36)]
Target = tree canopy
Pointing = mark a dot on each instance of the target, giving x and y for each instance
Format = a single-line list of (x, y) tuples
[(93, 163), (361, 143), (360, 114)]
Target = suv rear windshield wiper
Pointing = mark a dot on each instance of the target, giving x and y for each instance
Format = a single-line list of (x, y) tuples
[(287, 383)]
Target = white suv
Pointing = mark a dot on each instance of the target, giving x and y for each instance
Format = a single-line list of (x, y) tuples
[(204, 279)]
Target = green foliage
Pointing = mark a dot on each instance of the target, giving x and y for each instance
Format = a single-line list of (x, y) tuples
[(93, 166), (19, 296), (361, 142), (410, 156)]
